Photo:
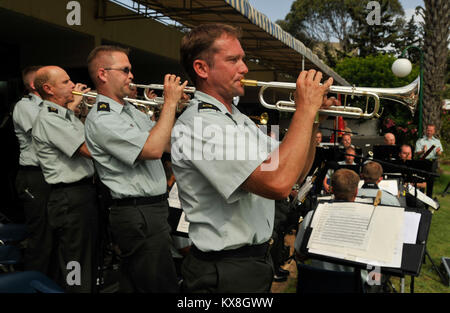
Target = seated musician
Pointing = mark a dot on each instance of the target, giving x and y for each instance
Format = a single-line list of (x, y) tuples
[(389, 139), (372, 174), (405, 154), (349, 160), (344, 186)]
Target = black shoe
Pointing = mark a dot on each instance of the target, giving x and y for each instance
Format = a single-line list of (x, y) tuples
[(279, 279), (282, 272)]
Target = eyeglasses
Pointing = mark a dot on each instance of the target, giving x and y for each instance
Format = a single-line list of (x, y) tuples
[(126, 70)]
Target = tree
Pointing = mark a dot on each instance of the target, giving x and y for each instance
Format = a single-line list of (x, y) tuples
[(436, 41), (410, 35), (324, 21)]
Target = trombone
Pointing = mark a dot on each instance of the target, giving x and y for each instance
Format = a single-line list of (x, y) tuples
[(406, 95)]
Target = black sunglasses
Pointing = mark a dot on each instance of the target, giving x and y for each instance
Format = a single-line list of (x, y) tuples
[(126, 70)]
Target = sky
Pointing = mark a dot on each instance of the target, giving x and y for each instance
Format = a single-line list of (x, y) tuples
[(277, 9)]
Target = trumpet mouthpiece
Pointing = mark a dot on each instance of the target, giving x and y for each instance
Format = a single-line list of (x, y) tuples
[(249, 82)]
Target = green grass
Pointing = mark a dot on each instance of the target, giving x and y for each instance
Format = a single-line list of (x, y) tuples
[(438, 244)]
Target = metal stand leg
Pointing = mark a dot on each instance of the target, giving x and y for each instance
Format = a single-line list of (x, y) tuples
[(402, 285)]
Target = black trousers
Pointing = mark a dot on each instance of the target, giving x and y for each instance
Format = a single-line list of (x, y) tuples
[(247, 274), (143, 236), (33, 192), (73, 216)]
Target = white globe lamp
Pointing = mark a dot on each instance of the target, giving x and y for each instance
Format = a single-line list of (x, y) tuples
[(401, 67)]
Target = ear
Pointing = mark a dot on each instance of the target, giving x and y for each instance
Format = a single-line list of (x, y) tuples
[(101, 74), (48, 89), (379, 179), (201, 68)]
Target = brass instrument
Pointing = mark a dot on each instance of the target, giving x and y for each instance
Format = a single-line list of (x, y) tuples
[(407, 95), (187, 89), (148, 106), (263, 119)]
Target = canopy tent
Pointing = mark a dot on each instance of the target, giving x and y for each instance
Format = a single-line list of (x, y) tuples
[(263, 41)]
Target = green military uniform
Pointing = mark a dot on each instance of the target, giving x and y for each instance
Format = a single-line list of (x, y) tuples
[(31, 187), (213, 153), (72, 209), (115, 135)]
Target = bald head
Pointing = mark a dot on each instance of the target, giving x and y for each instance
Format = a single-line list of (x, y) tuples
[(54, 84), (389, 139)]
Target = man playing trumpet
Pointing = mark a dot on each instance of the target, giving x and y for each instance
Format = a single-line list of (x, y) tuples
[(228, 202), (127, 146)]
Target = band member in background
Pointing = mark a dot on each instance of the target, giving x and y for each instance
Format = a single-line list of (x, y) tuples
[(31, 187), (58, 137), (127, 147)]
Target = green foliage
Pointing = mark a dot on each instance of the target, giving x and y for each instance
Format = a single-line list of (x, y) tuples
[(314, 22), (375, 71)]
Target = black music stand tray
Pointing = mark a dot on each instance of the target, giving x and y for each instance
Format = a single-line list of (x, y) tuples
[(412, 255), (385, 152)]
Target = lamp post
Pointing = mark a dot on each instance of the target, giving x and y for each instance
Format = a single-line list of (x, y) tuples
[(401, 68)]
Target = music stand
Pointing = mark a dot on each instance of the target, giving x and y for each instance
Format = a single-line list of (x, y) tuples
[(385, 152), (354, 167)]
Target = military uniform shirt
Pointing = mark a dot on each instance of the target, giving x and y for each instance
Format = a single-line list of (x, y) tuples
[(115, 135), (386, 197), (210, 169), (424, 141), (24, 115), (57, 136)]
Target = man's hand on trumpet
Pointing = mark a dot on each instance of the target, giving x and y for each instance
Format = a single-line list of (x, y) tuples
[(173, 90), (310, 95), (74, 105)]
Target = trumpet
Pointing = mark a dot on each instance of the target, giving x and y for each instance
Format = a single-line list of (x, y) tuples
[(406, 95), (188, 89), (148, 106)]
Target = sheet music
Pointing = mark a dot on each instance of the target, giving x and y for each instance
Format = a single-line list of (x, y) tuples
[(423, 197), (389, 185), (346, 226), (380, 244)]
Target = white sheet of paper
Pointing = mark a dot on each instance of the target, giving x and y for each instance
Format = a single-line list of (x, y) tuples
[(389, 185), (423, 197), (183, 225), (380, 244), (411, 227), (174, 200)]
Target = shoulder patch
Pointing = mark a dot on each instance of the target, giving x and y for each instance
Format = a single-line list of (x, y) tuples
[(52, 109), (103, 106), (206, 106)]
